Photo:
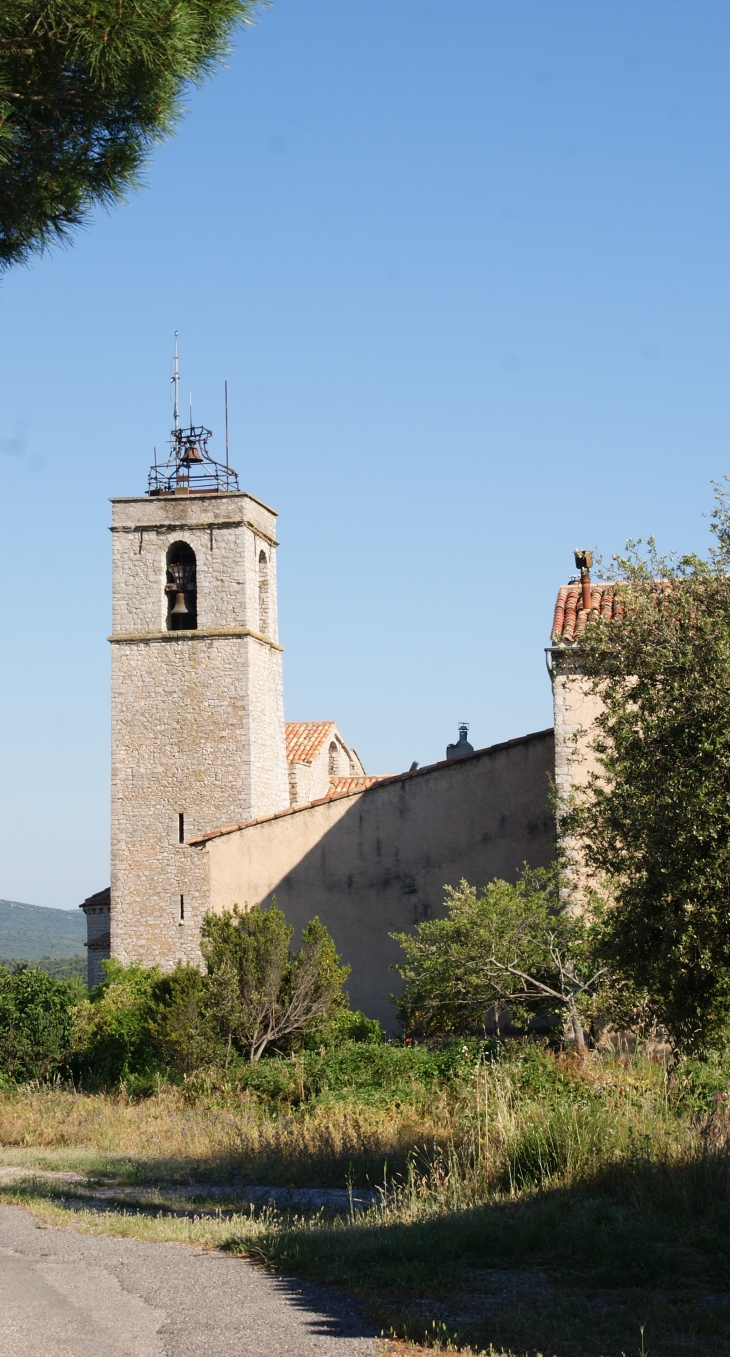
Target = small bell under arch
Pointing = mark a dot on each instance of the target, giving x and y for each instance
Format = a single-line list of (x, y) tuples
[(180, 607)]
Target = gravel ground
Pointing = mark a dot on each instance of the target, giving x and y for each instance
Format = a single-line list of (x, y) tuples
[(335, 1199), (67, 1294)]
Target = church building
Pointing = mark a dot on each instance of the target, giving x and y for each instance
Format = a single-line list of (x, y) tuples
[(216, 800)]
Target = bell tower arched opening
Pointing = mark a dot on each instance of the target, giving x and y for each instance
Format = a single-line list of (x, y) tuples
[(181, 588)]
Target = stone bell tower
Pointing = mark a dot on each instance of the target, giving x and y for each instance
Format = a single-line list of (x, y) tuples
[(197, 706)]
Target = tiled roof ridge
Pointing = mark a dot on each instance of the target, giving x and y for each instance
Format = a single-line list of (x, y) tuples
[(99, 897), (386, 780)]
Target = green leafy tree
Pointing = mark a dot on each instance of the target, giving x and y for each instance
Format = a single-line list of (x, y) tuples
[(261, 995), (86, 88), (183, 1036), (36, 1022), (503, 946), (653, 825)]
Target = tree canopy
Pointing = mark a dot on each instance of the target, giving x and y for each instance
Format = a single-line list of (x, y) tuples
[(654, 822), (86, 88), (505, 946)]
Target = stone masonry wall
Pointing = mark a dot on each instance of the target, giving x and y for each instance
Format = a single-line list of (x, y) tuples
[(197, 716), (575, 708)]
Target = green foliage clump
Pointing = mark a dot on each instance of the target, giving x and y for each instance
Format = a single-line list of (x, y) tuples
[(259, 994), (36, 1021), (507, 945), (654, 822), (375, 1074), (85, 90), (138, 1023)]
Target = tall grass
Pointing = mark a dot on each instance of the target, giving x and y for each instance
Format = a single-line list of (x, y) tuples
[(525, 1200)]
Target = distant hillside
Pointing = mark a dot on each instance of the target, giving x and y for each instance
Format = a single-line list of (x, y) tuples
[(29, 932)]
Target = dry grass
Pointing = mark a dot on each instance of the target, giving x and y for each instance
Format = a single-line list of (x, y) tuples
[(166, 1137), (541, 1204)]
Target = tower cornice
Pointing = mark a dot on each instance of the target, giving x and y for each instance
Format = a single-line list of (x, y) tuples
[(205, 525), (199, 634)]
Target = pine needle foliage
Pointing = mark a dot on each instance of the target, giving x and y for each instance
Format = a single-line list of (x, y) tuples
[(654, 821), (86, 88)]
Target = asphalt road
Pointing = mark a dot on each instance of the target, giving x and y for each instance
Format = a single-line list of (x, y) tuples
[(66, 1294)]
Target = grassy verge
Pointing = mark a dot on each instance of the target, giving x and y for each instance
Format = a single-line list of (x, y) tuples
[(526, 1202)]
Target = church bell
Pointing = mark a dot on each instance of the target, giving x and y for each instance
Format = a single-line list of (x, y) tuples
[(180, 606)]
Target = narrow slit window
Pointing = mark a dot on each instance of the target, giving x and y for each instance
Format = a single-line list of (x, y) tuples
[(264, 620), (181, 828), (182, 909)]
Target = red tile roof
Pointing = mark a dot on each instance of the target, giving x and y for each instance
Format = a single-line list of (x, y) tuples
[(351, 784), (304, 739), (570, 617), (376, 782)]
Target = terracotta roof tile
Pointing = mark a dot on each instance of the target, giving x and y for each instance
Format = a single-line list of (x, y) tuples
[(304, 739), (351, 784), (570, 617)]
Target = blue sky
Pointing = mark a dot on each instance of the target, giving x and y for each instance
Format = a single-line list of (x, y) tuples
[(465, 269)]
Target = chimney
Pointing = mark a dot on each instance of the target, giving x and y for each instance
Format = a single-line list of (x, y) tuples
[(583, 562)]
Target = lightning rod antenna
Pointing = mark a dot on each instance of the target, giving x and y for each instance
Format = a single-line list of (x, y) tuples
[(191, 408), (175, 383), (225, 384)]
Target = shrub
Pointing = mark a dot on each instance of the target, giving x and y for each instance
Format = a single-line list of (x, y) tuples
[(259, 994), (36, 1020), (505, 946), (113, 1032)]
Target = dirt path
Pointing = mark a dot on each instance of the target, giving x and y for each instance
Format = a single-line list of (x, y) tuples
[(66, 1294)]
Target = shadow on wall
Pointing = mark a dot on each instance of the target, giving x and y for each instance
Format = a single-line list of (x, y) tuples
[(376, 862)]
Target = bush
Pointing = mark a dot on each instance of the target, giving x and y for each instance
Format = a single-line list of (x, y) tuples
[(507, 946), (36, 1021), (259, 994), (139, 1023), (113, 1031)]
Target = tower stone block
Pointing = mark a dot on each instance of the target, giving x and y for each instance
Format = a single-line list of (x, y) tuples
[(197, 712)]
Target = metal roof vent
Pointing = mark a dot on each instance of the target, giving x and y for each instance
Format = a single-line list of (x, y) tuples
[(463, 748)]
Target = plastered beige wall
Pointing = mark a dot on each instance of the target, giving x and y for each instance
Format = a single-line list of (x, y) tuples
[(377, 861)]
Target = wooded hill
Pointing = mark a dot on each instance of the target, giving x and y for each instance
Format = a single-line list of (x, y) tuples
[(30, 932)]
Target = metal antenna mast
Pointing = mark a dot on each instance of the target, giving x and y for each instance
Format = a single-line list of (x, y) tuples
[(190, 469), (226, 390), (175, 383)]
